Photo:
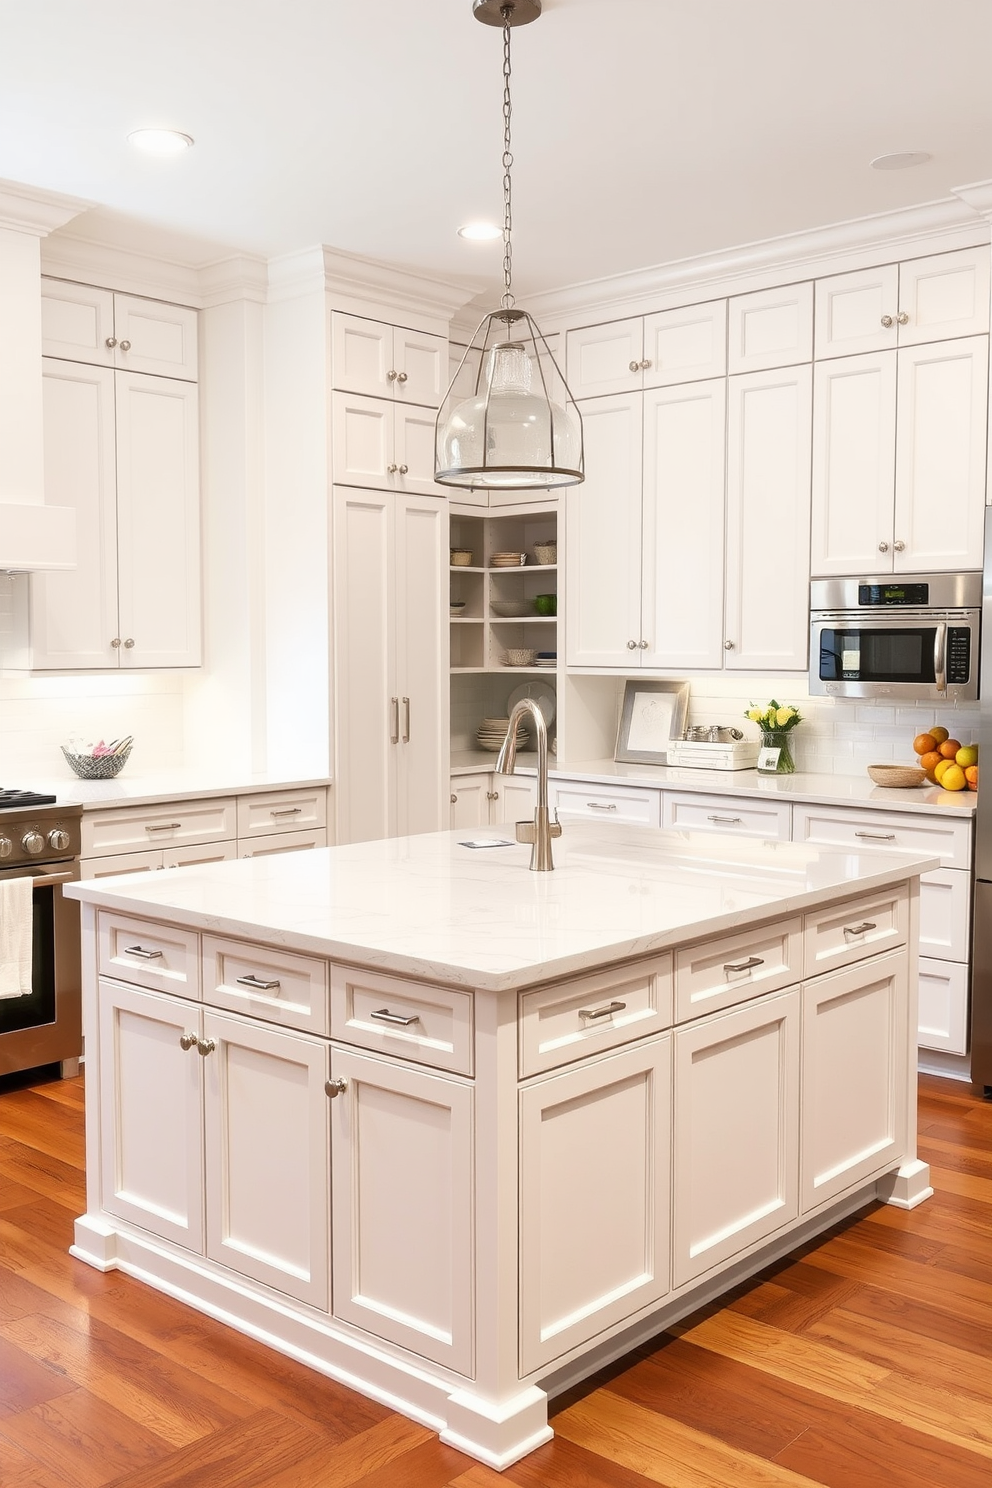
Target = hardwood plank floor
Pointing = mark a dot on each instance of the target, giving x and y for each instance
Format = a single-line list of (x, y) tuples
[(864, 1358)]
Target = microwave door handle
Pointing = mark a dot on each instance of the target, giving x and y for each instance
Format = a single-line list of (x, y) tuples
[(940, 656)]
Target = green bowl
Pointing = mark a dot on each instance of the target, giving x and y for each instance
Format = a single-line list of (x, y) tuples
[(546, 604)]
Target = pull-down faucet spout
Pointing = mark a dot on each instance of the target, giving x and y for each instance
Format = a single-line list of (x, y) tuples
[(542, 829)]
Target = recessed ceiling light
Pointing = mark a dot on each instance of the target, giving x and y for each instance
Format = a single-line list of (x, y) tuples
[(160, 141), (901, 160), (480, 232)]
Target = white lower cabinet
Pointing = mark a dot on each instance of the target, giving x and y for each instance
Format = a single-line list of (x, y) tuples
[(736, 1137), (491, 800), (197, 1102), (402, 1142), (943, 1005), (617, 803), (595, 1144), (855, 1033)]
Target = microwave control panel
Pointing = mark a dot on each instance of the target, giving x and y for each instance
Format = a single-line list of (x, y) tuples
[(958, 653)]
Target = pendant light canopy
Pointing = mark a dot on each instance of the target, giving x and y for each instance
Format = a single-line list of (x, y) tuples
[(519, 429)]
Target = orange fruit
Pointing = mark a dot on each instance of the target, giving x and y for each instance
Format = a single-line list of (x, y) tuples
[(925, 744), (940, 734), (949, 747), (930, 759), (971, 775), (941, 769), (953, 778)]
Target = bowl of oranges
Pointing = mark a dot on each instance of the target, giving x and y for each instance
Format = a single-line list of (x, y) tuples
[(946, 761)]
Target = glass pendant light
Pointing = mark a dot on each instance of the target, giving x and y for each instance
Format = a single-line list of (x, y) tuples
[(520, 429)]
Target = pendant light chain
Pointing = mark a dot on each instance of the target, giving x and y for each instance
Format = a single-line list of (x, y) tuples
[(507, 300)]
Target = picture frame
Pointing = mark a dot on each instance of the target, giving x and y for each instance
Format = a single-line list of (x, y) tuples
[(653, 714)]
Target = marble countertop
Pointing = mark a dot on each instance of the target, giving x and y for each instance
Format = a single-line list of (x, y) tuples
[(432, 907), (131, 789), (818, 790)]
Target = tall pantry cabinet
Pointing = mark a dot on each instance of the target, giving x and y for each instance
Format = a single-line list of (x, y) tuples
[(122, 448), (389, 537)]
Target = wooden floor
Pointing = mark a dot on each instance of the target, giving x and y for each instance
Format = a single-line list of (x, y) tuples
[(864, 1360)]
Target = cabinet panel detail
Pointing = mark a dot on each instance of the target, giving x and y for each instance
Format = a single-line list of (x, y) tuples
[(152, 955), (559, 1024), (275, 985), (734, 968), (770, 328), (414, 1020), (943, 1015), (849, 932)]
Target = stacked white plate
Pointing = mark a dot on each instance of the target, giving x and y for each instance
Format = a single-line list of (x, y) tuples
[(492, 732), (506, 560)]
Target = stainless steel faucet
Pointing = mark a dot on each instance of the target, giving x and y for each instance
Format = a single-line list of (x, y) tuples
[(540, 831)]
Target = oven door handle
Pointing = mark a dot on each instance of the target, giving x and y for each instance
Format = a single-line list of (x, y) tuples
[(940, 657), (46, 880)]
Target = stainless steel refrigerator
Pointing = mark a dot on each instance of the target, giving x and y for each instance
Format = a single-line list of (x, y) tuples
[(981, 965)]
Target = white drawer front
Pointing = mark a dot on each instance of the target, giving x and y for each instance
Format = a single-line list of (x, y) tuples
[(266, 983), (158, 956), (769, 820), (640, 807), (945, 914), (566, 1022), (888, 831), (943, 1015), (412, 1020), (845, 933), (281, 811), (172, 825), (719, 973), (281, 842)]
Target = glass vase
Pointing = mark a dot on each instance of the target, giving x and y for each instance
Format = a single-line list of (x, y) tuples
[(781, 762)]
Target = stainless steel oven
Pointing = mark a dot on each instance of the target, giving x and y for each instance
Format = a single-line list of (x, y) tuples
[(44, 1026), (912, 638)]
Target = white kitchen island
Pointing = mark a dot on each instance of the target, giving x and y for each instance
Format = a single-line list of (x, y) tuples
[(457, 1134)]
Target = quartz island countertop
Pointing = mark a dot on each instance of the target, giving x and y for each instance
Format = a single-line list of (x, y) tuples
[(434, 907)]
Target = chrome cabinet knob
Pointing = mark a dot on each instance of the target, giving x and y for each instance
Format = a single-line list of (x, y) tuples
[(645, 364), (728, 645), (334, 1088), (454, 799), (404, 470), (125, 346), (634, 366), (111, 341), (205, 1046), (887, 321), (883, 547), (899, 545), (401, 377), (187, 1041), (902, 318), (6, 847), (116, 642), (390, 375), (642, 645), (129, 644), (33, 842), (58, 839), (391, 469), (631, 645)]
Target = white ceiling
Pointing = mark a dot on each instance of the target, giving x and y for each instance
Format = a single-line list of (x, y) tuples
[(644, 130)]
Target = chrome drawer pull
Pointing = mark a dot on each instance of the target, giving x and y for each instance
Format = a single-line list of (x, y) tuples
[(385, 1016), (162, 826), (255, 983), (733, 820), (877, 836), (861, 929), (747, 965), (604, 1012), (287, 811), (602, 805), (145, 955), (335, 1087), (205, 1046)]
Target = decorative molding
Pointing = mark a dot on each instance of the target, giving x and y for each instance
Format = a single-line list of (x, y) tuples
[(295, 275), (29, 210), (909, 232), (240, 277), (370, 282), (129, 270), (978, 196)]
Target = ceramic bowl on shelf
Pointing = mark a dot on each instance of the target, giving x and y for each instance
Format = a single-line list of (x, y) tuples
[(897, 776), (509, 609), (456, 607), (546, 604), (545, 553), (518, 656), (461, 557)]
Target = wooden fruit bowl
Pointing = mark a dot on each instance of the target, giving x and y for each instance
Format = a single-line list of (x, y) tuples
[(897, 776)]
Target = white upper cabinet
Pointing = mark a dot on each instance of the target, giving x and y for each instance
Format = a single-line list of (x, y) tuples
[(386, 361), (924, 299), (81, 323), (770, 328), (380, 444), (672, 346), (768, 460), (854, 439)]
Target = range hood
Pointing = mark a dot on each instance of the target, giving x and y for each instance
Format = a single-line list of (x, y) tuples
[(34, 537)]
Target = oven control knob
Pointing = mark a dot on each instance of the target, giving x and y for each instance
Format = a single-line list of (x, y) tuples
[(58, 839), (33, 842), (6, 847)]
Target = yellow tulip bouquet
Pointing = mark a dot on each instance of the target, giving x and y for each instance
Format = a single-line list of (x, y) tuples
[(775, 720)]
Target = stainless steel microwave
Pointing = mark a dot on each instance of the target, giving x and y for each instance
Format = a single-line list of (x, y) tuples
[(912, 638)]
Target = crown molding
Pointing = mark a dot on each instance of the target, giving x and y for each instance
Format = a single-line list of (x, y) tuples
[(293, 276), (978, 196), (28, 210), (240, 277), (347, 276), (129, 270), (932, 227)]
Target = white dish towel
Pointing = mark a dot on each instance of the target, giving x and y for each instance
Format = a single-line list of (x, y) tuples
[(16, 937)]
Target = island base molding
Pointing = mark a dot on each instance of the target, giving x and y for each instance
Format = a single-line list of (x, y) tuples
[(494, 1433)]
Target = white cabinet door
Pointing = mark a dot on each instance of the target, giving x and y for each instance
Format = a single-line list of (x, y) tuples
[(420, 577), (944, 295), (854, 439), (851, 311), (686, 344), (854, 1087), (604, 359), (768, 514), (155, 337), (514, 799), (597, 1135), (770, 328), (267, 1163), (603, 539), (941, 435), (413, 452), (77, 322), (402, 1206), (362, 435), (183, 857), (361, 355), (945, 914), (943, 1015), (420, 361), (158, 521), (736, 1138), (151, 1130), (469, 802), (74, 614), (683, 526)]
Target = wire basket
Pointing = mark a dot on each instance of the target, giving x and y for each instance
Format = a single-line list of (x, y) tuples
[(103, 767)]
